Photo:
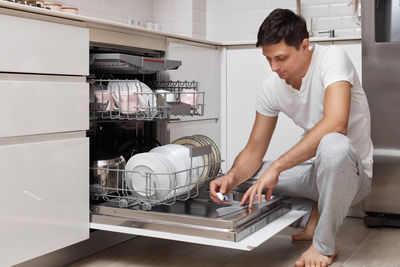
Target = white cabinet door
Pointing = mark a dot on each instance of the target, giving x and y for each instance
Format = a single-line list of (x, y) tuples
[(34, 46), (246, 70), (45, 197), (32, 106), (199, 63)]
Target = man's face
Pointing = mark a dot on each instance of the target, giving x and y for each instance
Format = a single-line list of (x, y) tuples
[(286, 60)]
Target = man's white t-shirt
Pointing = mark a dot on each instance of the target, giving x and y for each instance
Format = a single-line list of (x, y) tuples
[(305, 107)]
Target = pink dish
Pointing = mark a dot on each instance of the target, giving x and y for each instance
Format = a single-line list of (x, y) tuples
[(129, 103), (190, 96), (104, 96)]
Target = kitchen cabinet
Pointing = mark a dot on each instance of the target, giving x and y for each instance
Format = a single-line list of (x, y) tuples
[(44, 104), (45, 197), (44, 152), (34, 46)]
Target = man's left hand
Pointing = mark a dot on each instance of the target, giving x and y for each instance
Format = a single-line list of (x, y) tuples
[(267, 180)]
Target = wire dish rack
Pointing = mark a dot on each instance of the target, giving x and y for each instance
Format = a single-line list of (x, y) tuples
[(183, 97), (134, 100), (119, 192)]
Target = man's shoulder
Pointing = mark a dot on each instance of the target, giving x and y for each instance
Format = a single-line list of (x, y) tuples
[(330, 52)]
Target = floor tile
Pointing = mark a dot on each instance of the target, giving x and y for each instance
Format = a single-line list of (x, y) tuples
[(357, 244), (380, 248)]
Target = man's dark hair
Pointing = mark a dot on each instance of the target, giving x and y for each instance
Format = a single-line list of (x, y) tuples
[(282, 24)]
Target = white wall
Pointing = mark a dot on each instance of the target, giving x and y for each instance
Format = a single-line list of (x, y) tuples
[(185, 17), (331, 14), (220, 20), (238, 20), (123, 11)]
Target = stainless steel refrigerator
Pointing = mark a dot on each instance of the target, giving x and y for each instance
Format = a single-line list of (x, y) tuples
[(381, 81)]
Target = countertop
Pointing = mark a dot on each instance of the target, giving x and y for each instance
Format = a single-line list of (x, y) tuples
[(99, 23)]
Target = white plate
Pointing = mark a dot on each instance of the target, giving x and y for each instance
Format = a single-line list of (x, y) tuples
[(148, 98), (159, 180)]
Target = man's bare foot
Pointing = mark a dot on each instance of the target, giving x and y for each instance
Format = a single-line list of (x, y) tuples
[(312, 257), (308, 233)]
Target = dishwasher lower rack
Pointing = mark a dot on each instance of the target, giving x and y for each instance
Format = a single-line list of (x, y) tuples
[(134, 100), (125, 195), (127, 188)]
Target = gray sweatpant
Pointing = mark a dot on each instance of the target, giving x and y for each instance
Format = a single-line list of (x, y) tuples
[(334, 178)]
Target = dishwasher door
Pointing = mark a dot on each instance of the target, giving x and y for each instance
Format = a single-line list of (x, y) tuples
[(201, 221)]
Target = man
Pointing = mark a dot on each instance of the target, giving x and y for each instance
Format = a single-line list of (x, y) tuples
[(318, 88)]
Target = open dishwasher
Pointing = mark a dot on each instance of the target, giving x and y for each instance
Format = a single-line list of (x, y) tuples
[(130, 107)]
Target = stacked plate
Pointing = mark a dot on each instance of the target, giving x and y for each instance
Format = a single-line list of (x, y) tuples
[(163, 173), (129, 97), (212, 161), (168, 171)]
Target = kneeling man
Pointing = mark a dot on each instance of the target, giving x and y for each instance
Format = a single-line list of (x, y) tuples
[(331, 166)]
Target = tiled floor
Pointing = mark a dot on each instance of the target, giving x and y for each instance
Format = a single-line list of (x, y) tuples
[(358, 246)]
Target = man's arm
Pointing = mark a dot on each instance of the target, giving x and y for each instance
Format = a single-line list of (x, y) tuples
[(335, 119), (249, 159)]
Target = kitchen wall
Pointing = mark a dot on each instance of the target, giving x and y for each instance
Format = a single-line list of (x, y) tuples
[(124, 11), (186, 17), (221, 20), (237, 20)]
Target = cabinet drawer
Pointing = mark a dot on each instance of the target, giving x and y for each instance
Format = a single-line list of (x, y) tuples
[(38, 107), (33, 46), (45, 195)]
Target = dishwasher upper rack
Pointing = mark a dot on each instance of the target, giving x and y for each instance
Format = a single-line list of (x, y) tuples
[(133, 100), (120, 194)]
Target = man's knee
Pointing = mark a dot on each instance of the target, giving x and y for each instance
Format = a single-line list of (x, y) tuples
[(333, 148)]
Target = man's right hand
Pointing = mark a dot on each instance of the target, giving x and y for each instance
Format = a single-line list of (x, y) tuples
[(224, 185)]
